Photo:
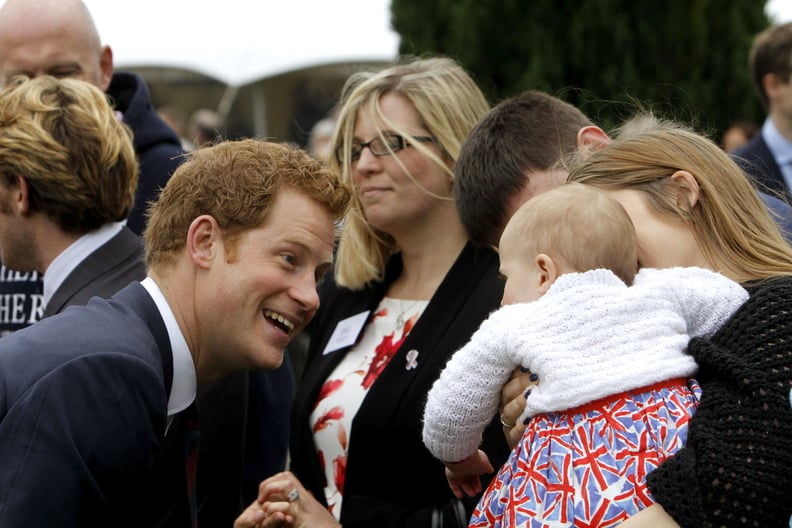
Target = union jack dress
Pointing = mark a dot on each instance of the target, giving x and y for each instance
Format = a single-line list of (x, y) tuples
[(587, 466)]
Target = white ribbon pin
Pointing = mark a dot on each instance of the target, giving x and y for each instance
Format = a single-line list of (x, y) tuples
[(412, 359)]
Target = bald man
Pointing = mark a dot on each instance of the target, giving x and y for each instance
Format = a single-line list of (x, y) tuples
[(59, 38)]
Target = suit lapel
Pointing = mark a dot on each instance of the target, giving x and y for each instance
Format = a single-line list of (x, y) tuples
[(112, 254)]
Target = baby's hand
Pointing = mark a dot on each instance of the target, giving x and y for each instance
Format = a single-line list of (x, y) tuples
[(463, 477)]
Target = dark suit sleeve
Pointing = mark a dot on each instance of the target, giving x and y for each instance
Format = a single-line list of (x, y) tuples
[(79, 440)]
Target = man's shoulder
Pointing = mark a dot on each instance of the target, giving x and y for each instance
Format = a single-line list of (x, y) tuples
[(81, 344), (118, 323), (755, 148)]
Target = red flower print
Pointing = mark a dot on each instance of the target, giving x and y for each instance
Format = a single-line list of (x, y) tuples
[(382, 354), (339, 472), (327, 389), (336, 413)]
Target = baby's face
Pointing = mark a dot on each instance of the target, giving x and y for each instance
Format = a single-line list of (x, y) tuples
[(523, 275)]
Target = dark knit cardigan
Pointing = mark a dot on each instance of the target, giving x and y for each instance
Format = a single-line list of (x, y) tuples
[(736, 467)]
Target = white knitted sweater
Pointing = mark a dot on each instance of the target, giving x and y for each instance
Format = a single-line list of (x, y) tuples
[(588, 337)]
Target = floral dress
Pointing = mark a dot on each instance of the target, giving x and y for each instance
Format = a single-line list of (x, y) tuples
[(342, 394)]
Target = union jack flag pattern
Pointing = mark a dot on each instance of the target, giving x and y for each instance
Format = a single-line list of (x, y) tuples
[(587, 468)]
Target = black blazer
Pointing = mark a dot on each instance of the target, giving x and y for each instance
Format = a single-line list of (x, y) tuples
[(385, 446)]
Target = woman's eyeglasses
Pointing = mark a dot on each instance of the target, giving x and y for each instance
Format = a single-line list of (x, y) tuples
[(380, 146)]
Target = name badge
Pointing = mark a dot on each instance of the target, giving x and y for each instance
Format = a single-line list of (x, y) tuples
[(346, 332)]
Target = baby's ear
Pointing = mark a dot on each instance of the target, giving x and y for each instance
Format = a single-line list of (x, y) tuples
[(548, 272)]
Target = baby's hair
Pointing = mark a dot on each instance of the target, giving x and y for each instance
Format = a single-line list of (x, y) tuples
[(581, 224)]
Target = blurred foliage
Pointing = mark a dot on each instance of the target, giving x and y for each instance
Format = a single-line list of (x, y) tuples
[(684, 59)]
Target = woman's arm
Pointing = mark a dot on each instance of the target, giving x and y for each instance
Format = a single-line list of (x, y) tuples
[(652, 517), (736, 460)]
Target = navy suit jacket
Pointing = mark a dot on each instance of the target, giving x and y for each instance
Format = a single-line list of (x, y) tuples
[(83, 405)]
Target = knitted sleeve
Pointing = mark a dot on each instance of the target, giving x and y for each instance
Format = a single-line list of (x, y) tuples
[(706, 299), (466, 396), (735, 467)]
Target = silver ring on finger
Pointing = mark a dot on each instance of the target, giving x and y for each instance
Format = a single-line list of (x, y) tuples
[(504, 424)]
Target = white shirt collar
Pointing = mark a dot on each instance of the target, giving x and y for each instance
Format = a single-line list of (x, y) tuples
[(72, 256), (184, 381)]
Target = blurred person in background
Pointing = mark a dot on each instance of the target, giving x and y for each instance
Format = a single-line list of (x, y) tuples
[(767, 157), (738, 134), (320, 140), (204, 127), (174, 118)]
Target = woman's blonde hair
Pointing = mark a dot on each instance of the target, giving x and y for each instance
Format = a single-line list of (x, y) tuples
[(730, 222), (448, 103)]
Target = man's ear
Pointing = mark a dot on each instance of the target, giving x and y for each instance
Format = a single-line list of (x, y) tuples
[(688, 187), (548, 272), (592, 137), (20, 196), (204, 241), (770, 83), (105, 68)]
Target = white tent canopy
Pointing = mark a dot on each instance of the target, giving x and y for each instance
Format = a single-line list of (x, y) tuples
[(240, 41)]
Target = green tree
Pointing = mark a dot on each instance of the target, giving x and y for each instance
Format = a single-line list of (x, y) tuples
[(686, 59)]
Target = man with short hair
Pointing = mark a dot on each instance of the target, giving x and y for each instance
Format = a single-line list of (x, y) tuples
[(516, 151), (68, 174), (97, 430)]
